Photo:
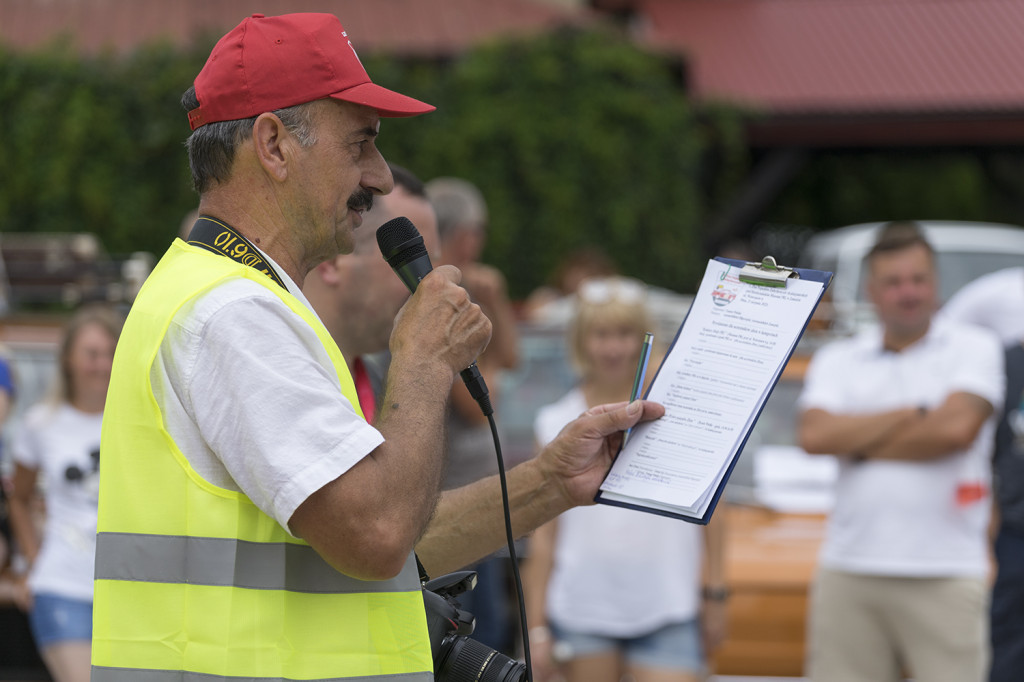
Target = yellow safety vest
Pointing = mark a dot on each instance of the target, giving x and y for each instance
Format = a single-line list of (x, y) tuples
[(193, 581)]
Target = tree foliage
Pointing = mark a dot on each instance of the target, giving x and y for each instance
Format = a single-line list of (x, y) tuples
[(577, 138), (94, 144), (839, 189)]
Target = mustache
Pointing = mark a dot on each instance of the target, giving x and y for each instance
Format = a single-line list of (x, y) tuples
[(361, 200)]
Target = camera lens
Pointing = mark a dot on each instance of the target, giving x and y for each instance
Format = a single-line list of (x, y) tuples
[(466, 659)]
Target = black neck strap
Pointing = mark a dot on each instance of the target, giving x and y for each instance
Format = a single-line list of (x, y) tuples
[(424, 578), (211, 234)]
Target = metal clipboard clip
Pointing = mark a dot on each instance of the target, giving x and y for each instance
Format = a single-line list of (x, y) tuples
[(767, 273)]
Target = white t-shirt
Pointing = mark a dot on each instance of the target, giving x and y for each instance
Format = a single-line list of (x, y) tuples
[(59, 441), (618, 572), (994, 301), (903, 518), (252, 399)]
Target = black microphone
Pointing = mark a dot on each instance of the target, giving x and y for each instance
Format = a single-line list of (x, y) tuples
[(402, 247)]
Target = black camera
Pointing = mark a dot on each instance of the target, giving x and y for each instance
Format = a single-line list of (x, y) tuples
[(457, 658)]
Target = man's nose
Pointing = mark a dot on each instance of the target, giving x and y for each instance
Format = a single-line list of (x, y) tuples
[(377, 175)]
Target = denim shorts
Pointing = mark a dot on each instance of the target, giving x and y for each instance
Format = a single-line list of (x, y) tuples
[(56, 619), (676, 646)]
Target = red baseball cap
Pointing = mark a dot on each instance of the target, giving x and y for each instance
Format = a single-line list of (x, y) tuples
[(269, 63)]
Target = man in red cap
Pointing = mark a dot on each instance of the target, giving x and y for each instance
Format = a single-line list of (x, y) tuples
[(252, 525)]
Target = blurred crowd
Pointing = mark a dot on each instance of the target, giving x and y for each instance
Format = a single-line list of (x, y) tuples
[(925, 414)]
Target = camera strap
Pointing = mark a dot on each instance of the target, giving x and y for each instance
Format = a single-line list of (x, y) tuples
[(424, 577), (211, 234)]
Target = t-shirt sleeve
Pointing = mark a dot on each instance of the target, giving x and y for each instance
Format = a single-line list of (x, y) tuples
[(25, 446), (980, 367), (268, 403), (552, 418), (821, 389)]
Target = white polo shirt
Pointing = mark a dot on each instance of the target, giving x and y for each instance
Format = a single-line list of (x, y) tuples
[(906, 518)]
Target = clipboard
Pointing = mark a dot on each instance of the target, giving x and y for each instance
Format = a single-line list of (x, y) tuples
[(766, 273)]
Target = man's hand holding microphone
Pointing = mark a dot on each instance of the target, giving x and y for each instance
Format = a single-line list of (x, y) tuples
[(567, 473)]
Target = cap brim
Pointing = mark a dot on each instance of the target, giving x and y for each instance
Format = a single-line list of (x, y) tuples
[(386, 102)]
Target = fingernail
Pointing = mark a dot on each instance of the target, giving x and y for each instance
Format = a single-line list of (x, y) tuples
[(634, 408)]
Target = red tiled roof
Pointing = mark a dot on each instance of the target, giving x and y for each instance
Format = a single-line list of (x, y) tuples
[(423, 27), (803, 56)]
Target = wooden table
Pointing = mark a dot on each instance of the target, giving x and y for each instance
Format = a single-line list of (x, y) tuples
[(770, 562)]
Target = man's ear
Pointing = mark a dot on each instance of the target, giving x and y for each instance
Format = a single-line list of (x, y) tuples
[(273, 144), (329, 272), (870, 290)]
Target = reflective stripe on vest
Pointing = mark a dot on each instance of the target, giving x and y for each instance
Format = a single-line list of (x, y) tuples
[(193, 581), (227, 561), (136, 675)]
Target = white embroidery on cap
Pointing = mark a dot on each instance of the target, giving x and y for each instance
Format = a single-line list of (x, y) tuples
[(353, 48)]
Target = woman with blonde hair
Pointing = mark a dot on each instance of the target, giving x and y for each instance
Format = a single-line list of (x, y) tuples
[(613, 592), (57, 450)]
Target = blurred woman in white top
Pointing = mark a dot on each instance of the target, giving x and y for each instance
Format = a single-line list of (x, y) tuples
[(56, 454), (610, 591)]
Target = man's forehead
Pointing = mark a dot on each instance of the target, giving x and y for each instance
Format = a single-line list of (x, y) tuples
[(911, 252), (901, 263)]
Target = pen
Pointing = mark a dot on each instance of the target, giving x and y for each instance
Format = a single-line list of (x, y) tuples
[(641, 366), (641, 372)]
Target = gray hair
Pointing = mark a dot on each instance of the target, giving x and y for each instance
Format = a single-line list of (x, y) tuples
[(458, 204), (211, 147)]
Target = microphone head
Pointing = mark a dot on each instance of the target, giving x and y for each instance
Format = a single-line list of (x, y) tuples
[(400, 242)]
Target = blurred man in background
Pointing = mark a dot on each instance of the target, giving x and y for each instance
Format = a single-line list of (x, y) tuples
[(996, 301), (462, 226), (1007, 614), (362, 286), (909, 410)]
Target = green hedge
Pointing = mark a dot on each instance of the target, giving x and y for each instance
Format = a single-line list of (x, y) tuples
[(96, 145), (575, 138)]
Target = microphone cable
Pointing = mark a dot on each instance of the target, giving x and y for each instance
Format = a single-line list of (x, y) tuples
[(510, 540), (402, 247), (478, 389)]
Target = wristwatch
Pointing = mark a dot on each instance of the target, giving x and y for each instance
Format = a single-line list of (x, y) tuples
[(720, 593)]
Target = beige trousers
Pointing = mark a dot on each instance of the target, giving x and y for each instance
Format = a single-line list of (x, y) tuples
[(865, 628)]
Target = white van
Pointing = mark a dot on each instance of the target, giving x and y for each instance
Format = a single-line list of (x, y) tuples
[(964, 251)]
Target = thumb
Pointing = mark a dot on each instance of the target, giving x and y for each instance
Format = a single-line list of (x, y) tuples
[(449, 272), (607, 419)]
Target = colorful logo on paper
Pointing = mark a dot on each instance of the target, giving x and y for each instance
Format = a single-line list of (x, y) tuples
[(722, 296)]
